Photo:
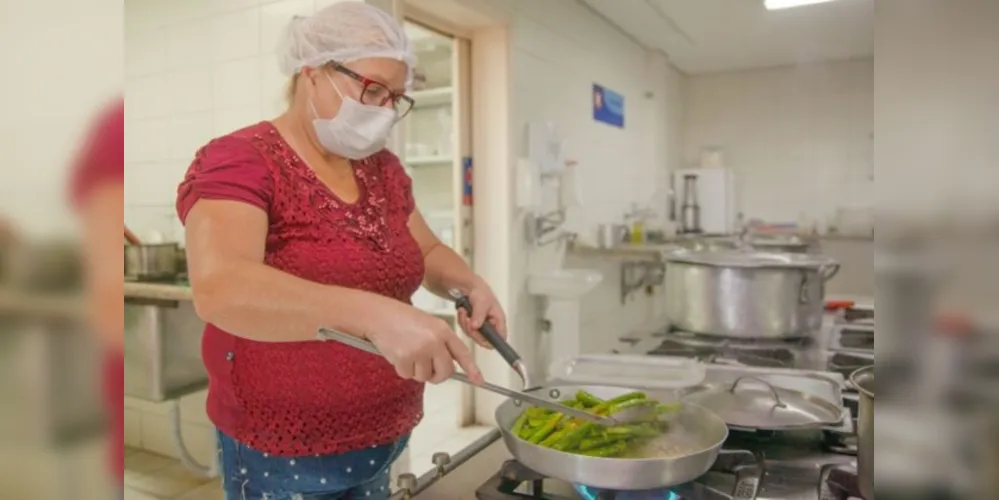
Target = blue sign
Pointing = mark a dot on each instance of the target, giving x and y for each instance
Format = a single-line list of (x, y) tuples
[(608, 106)]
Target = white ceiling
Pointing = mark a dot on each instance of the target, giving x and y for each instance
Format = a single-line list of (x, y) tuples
[(703, 36)]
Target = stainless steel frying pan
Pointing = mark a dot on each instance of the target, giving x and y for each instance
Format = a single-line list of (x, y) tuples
[(693, 444)]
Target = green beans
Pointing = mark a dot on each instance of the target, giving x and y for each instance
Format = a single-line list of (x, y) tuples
[(554, 430)]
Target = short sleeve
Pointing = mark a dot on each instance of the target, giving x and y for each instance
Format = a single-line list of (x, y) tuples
[(102, 158), (228, 168)]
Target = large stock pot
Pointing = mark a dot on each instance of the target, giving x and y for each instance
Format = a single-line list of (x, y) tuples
[(746, 294)]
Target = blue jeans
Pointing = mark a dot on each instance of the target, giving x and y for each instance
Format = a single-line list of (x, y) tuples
[(248, 474)]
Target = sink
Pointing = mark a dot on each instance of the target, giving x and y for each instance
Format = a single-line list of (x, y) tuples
[(564, 284)]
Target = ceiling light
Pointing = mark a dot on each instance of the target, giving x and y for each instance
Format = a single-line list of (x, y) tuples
[(787, 4)]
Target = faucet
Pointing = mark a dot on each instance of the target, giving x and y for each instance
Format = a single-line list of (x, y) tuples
[(547, 223)]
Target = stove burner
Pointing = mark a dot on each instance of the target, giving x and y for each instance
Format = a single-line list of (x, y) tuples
[(762, 353), (516, 481)]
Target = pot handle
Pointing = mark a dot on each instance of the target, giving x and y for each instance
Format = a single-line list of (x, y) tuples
[(773, 390), (804, 296), (828, 271)]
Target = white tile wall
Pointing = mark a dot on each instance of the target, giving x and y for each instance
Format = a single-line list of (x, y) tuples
[(559, 50), (194, 70), (799, 138)]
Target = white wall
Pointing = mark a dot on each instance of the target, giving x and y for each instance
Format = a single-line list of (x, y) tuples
[(558, 50), (799, 137), (193, 71)]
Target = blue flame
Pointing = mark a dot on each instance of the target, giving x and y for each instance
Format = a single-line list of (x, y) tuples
[(589, 493)]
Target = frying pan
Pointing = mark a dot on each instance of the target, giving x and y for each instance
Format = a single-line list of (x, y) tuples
[(692, 443)]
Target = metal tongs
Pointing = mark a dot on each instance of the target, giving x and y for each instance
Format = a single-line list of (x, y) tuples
[(343, 338), (642, 413)]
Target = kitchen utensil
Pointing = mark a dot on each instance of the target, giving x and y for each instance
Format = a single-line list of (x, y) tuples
[(755, 403), (863, 380), (611, 235), (550, 404), (746, 294), (693, 443), (152, 262), (690, 211), (488, 331)]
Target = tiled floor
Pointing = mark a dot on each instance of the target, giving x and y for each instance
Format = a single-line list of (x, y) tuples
[(153, 477)]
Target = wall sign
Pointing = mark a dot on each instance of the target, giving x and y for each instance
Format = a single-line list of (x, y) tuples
[(608, 106)]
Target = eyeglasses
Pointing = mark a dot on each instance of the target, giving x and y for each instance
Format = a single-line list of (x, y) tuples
[(377, 94)]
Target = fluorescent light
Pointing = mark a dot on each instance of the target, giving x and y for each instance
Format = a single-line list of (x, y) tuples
[(787, 4)]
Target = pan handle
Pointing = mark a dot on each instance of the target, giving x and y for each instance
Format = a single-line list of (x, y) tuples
[(773, 390), (488, 331)]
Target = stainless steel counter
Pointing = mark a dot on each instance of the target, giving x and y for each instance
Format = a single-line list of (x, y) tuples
[(158, 291), (162, 342)]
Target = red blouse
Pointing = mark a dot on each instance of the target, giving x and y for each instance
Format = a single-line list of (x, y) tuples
[(305, 398)]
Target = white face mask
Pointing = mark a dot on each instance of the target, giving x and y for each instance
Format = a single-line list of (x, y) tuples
[(357, 131)]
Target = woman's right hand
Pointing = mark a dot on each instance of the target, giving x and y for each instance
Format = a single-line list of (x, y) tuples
[(421, 346)]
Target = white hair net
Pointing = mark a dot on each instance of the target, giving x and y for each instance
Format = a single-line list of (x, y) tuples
[(344, 32)]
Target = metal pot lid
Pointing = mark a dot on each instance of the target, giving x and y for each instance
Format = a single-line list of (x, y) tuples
[(750, 259), (753, 403)]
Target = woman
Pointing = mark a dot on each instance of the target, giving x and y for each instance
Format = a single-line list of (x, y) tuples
[(307, 222), (98, 191)]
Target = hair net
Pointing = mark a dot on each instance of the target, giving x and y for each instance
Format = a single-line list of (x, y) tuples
[(344, 32)]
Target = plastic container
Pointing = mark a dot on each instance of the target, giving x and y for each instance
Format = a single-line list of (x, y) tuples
[(633, 371)]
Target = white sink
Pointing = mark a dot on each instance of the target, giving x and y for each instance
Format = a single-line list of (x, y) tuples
[(566, 284)]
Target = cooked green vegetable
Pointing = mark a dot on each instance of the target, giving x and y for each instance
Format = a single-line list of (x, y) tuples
[(588, 400), (609, 451), (545, 429), (554, 430)]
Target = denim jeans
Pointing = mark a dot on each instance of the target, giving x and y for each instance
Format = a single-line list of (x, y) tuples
[(248, 474)]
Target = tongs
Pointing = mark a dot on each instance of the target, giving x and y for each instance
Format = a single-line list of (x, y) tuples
[(343, 338), (488, 331), (642, 413)]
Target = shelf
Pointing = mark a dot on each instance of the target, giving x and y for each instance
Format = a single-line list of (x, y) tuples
[(441, 96), (417, 161)]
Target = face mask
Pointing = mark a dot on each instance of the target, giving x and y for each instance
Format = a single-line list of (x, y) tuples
[(357, 131)]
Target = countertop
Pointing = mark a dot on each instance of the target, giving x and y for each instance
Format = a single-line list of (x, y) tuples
[(158, 291)]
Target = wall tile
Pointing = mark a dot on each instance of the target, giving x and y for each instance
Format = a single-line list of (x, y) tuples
[(235, 35), (189, 44), (146, 97), (237, 83), (188, 133), (145, 51), (274, 18), (145, 140), (190, 90), (232, 119)]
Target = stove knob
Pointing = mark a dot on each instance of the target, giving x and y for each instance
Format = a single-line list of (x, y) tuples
[(441, 460), (407, 483)]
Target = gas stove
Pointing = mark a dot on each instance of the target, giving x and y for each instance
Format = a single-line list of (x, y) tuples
[(843, 344), (775, 471)]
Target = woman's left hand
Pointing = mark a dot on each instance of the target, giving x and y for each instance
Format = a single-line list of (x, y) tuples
[(485, 307)]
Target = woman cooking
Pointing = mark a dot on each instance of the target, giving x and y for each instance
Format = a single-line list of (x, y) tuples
[(303, 222)]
